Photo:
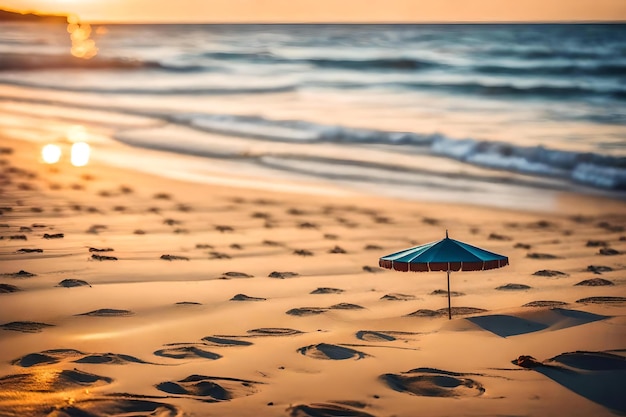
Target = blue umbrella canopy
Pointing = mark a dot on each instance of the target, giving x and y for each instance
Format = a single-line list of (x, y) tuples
[(444, 255)]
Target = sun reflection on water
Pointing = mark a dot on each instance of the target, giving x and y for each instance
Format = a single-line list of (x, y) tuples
[(80, 34)]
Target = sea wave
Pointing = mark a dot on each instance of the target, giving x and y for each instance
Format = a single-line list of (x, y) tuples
[(364, 64), (545, 91), (155, 90), (295, 130), (616, 70), (31, 62), (592, 169)]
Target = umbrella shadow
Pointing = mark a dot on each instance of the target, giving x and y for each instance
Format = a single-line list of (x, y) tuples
[(553, 319), (505, 326), (598, 376)]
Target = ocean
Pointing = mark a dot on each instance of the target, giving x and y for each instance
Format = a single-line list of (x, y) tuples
[(501, 114)]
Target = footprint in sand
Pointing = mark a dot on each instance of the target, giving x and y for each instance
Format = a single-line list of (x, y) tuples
[(29, 250), (456, 311), (608, 252), (602, 300), (110, 406), (372, 336), (25, 326), (594, 282), (445, 293), (54, 380), (224, 342), (327, 351), (543, 303), (91, 249), (327, 290), (46, 357), (20, 274), (326, 410), (103, 258), (311, 311), (346, 306), (233, 340), (107, 312), (383, 336), (227, 275), (210, 388), (541, 256), (71, 282), (273, 331), (429, 382), (109, 359), (174, 258), (306, 311), (513, 287), (283, 275), (187, 351), (243, 297), (52, 356), (8, 288), (598, 269), (550, 273), (53, 236), (373, 247)]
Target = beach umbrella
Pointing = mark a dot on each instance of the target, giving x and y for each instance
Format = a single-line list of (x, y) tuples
[(445, 255)]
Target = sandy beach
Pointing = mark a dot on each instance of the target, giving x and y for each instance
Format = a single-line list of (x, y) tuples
[(130, 294)]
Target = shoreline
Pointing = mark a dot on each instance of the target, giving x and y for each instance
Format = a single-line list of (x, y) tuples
[(390, 170)]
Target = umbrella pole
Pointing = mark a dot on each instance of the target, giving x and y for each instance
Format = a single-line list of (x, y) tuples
[(449, 306)]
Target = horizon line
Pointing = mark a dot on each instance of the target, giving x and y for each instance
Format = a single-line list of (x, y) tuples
[(371, 23)]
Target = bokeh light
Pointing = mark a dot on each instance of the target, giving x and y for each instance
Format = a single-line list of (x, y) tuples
[(80, 154), (51, 154), (80, 34)]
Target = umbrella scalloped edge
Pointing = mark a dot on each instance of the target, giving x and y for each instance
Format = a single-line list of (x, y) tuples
[(442, 266)]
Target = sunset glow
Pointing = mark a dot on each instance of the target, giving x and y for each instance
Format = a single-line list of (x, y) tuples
[(224, 11)]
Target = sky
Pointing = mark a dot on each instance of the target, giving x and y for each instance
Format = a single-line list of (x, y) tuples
[(349, 11)]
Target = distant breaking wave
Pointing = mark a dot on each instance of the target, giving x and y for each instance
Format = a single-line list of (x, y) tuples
[(595, 170)]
